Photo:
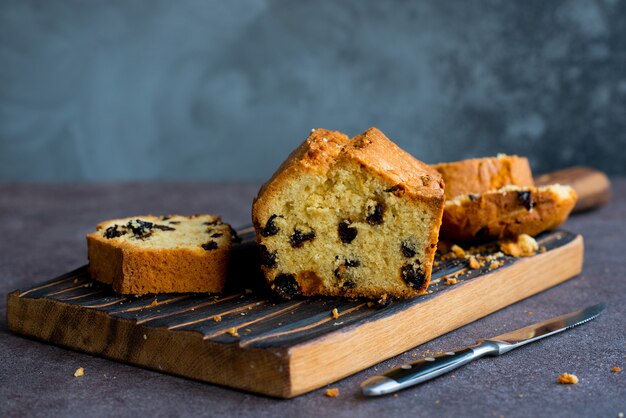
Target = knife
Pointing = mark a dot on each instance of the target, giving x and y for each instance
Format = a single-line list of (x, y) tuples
[(427, 368)]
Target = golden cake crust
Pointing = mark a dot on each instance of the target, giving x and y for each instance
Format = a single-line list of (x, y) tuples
[(372, 151), (131, 267), (507, 212), (479, 175)]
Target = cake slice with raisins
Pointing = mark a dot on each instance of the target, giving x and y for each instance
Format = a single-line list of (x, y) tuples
[(507, 212), (168, 254), (349, 217)]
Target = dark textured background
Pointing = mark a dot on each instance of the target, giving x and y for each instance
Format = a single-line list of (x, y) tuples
[(106, 90)]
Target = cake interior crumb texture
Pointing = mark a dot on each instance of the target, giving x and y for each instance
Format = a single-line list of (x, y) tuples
[(339, 226)]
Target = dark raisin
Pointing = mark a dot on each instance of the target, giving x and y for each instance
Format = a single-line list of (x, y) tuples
[(268, 259), (393, 188), (270, 227), (349, 284), (347, 233), (141, 229), (408, 249), (376, 217), (342, 269), (339, 272), (216, 235), (164, 228), (413, 275), (526, 199), (473, 197), (286, 286), (114, 232), (352, 263), (165, 217), (299, 238), (174, 222), (212, 223), (211, 245), (233, 235)]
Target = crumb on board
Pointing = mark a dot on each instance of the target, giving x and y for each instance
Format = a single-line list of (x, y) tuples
[(217, 318), (155, 302), (568, 379), (458, 251), (449, 281), (80, 372), (522, 246), (494, 265), (395, 395), (473, 263), (145, 337), (334, 313), (332, 392), (232, 331), (616, 369)]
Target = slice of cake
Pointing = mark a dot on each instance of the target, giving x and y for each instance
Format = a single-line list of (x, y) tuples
[(349, 217), (150, 254), (507, 212), (479, 175)]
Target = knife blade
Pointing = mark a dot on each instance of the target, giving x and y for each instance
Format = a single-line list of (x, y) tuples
[(429, 367)]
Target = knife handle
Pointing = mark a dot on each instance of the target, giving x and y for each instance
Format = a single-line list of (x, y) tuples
[(425, 369)]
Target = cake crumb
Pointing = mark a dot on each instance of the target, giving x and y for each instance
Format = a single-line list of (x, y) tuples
[(473, 263), (217, 318), (80, 372), (616, 369), (395, 395), (494, 265), (568, 379), (449, 281), (155, 302), (332, 392), (458, 251), (145, 337), (232, 331), (335, 313), (522, 246)]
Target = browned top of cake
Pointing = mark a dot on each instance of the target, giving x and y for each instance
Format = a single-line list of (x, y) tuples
[(324, 149), (373, 149), (478, 175)]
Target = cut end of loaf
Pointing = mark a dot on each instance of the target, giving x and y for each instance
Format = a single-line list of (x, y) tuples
[(346, 230)]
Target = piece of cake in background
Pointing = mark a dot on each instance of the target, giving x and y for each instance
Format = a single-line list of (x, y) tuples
[(478, 175), (507, 212), (167, 254), (349, 217)]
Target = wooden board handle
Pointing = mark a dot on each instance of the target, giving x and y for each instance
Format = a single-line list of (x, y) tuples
[(593, 186)]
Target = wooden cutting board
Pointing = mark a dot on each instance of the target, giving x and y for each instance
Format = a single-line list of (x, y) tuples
[(245, 340)]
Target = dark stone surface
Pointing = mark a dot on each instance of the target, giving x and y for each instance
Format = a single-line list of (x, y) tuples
[(42, 233), (161, 89)]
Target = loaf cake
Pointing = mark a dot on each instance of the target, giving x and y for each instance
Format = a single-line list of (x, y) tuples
[(168, 254), (479, 175), (507, 212), (349, 217)]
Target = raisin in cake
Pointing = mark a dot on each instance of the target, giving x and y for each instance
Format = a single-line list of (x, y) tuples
[(149, 254), (349, 217), (479, 175), (507, 212)]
